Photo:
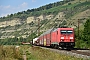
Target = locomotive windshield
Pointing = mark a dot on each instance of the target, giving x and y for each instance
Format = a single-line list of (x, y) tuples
[(66, 31)]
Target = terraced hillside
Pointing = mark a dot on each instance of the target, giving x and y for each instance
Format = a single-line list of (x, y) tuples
[(66, 14)]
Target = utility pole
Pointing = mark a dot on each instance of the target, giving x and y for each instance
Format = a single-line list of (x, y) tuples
[(38, 26), (78, 27), (32, 36)]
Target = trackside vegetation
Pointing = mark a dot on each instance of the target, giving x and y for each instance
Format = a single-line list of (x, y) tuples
[(31, 53), (83, 40)]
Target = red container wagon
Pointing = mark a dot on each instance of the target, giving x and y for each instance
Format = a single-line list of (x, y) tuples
[(45, 38), (60, 37)]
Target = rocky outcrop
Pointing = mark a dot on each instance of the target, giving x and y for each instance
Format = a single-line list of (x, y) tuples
[(30, 19), (10, 23), (41, 17), (17, 21)]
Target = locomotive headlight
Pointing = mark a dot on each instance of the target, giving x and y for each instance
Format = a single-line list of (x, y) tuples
[(62, 40), (62, 37), (71, 37)]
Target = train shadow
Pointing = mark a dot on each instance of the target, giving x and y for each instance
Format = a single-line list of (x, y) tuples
[(69, 49)]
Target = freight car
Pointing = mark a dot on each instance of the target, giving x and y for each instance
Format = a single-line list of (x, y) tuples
[(60, 37), (35, 41)]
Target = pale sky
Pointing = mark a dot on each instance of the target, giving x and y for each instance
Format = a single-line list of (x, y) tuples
[(14, 6)]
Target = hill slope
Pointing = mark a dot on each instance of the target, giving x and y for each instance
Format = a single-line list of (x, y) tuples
[(63, 13)]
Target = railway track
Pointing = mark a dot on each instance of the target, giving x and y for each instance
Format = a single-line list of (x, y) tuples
[(79, 53)]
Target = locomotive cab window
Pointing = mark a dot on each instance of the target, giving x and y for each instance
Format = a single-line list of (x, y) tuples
[(66, 31), (69, 32), (63, 32)]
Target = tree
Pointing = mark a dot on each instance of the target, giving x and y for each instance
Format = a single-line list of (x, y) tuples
[(86, 32)]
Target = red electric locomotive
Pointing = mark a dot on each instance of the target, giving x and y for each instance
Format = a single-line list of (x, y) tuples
[(60, 37)]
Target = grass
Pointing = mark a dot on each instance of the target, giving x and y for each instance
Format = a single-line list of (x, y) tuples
[(8, 52), (43, 54)]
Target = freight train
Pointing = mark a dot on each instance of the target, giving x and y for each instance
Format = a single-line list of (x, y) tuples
[(55, 38)]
